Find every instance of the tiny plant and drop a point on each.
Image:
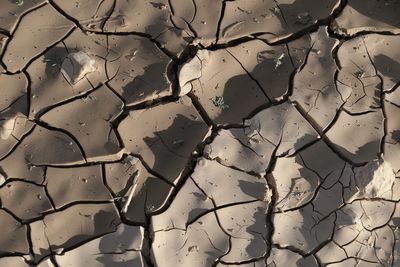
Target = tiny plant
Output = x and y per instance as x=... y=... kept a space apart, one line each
x=19 y=2
x=219 y=102
x=278 y=60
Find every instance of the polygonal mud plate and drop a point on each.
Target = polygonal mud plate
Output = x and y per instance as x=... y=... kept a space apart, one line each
x=167 y=131
x=30 y=40
x=93 y=130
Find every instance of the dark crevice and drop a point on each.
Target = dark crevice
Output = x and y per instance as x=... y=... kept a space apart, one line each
x=239 y=263
x=221 y=17
x=200 y=109
x=290 y=248
x=5 y=32
x=384 y=114
x=83 y=164
x=151 y=103
x=251 y=77
x=108 y=16
x=49 y=198
x=270 y=180
x=218 y=208
x=64 y=14
x=321 y=134
x=195 y=11
x=221 y=162
x=54 y=261
x=83 y=95
x=19 y=220
x=171 y=8
x=359 y=260
x=188 y=53
x=310 y=29
x=232 y=43
x=5 y=254
x=17 y=144
x=28 y=92
x=148 y=240
x=29 y=238
x=270 y=215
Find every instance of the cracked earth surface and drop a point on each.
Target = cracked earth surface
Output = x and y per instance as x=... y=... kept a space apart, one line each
x=200 y=133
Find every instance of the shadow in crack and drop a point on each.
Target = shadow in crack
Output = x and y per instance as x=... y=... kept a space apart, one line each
x=144 y=86
x=172 y=147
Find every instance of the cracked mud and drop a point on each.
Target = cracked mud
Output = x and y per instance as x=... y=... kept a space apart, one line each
x=159 y=133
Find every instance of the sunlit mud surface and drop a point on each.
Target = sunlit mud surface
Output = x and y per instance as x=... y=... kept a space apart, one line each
x=200 y=133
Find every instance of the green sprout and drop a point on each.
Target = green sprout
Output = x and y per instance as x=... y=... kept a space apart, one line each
x=19 y=2
x=219 y=102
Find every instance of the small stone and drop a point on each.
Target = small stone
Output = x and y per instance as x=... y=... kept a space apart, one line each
x=76 y=65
